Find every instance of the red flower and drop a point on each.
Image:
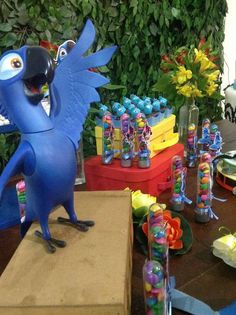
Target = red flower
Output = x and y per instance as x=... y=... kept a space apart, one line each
x=49 y=46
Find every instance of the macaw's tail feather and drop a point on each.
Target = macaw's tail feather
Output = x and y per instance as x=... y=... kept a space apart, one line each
x=74 y=85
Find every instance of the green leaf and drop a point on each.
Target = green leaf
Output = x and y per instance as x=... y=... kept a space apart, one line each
x=175 y=12
x=113 y=87
x=112 y=11
x=8 y=40
x=5 y=27
x=153 y=29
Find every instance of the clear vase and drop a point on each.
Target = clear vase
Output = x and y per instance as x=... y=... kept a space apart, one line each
x=188 y=114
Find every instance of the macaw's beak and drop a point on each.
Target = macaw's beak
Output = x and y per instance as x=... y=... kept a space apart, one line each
x=39 y=69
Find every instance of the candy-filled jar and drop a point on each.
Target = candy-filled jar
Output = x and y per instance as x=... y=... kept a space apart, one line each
x=143 y=133
x=178 y=176
x=127 y=141
x=203 y=211
x=157 y=240
x=154 y=283
x=107 y=138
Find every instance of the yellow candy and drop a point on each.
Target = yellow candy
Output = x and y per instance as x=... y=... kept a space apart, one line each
x=141 y=124
x=148 y=287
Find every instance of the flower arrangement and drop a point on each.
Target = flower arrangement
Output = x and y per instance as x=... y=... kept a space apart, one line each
x=190 y=73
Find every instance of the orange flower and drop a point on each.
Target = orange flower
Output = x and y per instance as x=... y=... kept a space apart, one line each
x=173 y=230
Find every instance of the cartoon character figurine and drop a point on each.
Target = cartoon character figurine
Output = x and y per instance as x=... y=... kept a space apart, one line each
x=46 y=155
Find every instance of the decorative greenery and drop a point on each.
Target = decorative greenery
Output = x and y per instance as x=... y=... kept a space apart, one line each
x=8 y=144
x=190 y=73
x=144 y=30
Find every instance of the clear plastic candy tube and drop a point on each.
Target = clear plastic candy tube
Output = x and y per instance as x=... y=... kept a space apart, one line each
x=143 y=133
x=154 y=288
x=191 y=160
x=107 y=138
x=127 y=141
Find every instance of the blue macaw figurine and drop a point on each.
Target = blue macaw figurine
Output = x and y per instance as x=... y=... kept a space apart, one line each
x=46 y=155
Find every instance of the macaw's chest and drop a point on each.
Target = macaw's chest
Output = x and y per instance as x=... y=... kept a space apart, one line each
x=54 y=152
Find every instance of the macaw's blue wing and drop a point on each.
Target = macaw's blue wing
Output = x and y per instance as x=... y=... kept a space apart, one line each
x=74 y=85
x=9 y=127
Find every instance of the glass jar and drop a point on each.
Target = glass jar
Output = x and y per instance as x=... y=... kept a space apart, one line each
x=188 y=114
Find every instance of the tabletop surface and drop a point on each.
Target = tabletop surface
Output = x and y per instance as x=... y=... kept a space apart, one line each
x=197 y=272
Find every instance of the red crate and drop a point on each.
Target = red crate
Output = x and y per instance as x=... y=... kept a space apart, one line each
x=153 y=180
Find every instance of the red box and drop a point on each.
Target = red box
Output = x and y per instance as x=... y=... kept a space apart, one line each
x=152 y=180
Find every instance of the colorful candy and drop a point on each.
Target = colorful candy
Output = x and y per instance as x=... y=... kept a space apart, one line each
x=203 y=211
x=179 y=174
x=191 y=146
x=21 y=195
x=154 y=288
x=143 y=133
x=108 y=135
x=157 y=241
x=127 y=141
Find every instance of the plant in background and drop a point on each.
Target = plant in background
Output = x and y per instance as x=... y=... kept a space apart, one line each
x=190 y=73
x=8 y=144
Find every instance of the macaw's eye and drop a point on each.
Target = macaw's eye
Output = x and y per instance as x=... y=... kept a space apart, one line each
x=16 y=63
x=10 y=65
x=62 y=53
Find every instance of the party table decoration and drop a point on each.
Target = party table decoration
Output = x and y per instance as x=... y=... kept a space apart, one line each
x=155 y=293
x=179 y=233
x=179 y=174
x=127 y=141
x=107 y=140
x=190 y=74
x=143 y=133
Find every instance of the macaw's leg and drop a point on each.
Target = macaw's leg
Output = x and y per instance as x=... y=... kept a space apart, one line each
x=73 y=221
x=46 y=235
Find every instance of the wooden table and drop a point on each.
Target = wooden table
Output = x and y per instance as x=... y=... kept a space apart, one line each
x=198 y=272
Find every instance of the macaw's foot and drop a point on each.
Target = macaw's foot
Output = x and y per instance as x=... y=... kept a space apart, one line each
x=51 y=242
x=79 y=225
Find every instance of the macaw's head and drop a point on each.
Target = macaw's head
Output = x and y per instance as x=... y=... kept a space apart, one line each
x=23 y=73
x=32 y=65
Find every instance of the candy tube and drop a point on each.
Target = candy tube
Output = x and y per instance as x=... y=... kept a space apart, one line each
x=179 y=174
x=127 y=141
x=143 y=133
x=157 y=241
x=191 y=160
x=21 y=196
x=107 y=139
x=203 y=211
x=154 y=288
x=204 y=141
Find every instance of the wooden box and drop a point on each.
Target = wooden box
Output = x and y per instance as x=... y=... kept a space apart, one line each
x=91 y=275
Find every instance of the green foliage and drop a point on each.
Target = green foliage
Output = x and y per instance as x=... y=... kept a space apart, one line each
x=143 y=29
x=8 y=144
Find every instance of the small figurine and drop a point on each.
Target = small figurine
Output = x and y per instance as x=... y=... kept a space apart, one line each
x=46 y=155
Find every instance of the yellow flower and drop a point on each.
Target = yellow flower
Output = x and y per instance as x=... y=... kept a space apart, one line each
x=211 y=88
x=182 y=75
x=204 y=61
x=196 y=92
x=141 y=202
x=185 y=90
x=213 y=76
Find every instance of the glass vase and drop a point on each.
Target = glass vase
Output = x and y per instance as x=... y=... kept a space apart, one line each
x=188 y=114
